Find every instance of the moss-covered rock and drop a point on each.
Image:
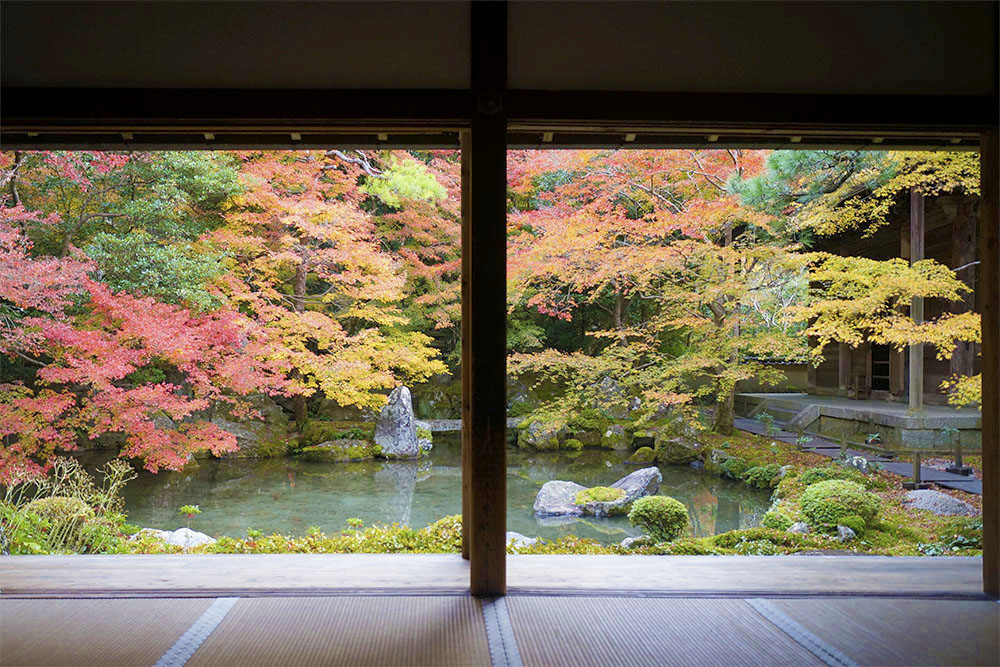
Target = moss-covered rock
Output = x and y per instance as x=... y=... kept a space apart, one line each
x=643 y=455
x=571 y=445
x=675 y=450
x=316 y=431
x=828 y=504
x=763 y=477
x=615 y=437
x=599 y=494
x=267 y=437
x=539 y=435
x=333 y=451
x=662 y=517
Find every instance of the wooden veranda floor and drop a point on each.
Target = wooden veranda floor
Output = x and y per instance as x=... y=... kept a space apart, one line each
x=562 y=610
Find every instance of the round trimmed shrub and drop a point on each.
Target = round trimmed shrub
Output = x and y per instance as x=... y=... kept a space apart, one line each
x=828 y=504
x=61 y=508
x=664 y=518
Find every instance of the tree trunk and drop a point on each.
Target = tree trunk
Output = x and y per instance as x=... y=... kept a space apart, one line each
x=299 y=306
x=724 y=411
x=620 y=306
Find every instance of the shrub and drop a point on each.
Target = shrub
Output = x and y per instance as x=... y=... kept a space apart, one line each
x=599 y=494
x=60 y=509
x=827 y=504
x=854 y=522
x=573 y=445
x=662 y=517
x=763 y=477
x=734 y=467
x=776 y=520
x=813 y=475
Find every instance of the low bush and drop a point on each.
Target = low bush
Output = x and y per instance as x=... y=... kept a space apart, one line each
x=776 y=520
x=826 y=473
x=735 y=467
x=762 y=477
x=662 y=517
x=827 y=504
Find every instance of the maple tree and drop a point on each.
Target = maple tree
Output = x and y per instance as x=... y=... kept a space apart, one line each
x=857 y=299
x=305 y=261
x=688 y=279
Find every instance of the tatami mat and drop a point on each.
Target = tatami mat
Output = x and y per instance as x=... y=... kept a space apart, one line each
x=98 y=633
x=605 y=631
x=386 y=630
x=903 y=632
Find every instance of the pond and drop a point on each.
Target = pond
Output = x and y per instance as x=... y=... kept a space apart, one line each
x=289 y=496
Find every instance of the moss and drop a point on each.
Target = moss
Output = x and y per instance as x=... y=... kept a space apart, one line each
x=572 y=445
x=316 y=431
x=425 y=433
x=734 y=467
x=599 y=494
x=762 y=477
x=776 y=520
x=643 y=455
x=827 y=504
x=826 y=473
x=662 y=517
x=854 y=522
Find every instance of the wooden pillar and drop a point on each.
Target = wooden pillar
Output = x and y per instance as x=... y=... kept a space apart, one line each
x=963 y=257
x=916 y=389
x=843 y=368
x=484 y=306
x=989 y=249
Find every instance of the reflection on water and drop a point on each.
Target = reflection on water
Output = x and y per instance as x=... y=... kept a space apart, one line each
x=288 y=496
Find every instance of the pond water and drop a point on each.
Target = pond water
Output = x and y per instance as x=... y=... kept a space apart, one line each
x=288 y=496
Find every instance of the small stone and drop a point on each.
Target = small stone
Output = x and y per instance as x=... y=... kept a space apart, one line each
x=697 y=465
x=783 y=470
x=845 y=534
x=632 y=542
x=799 y=527
x=520 y=540
x=938 y=503
x=858 y=462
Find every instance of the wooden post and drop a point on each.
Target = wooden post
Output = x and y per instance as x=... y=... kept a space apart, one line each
x=484 y=305
x=989 y=255
x=843 y=368
x=916 y=389
x=963 y=257
x=466 y=375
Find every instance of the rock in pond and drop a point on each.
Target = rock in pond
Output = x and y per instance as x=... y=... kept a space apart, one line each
x=333 y=451
x=520 y=540
x=396 y=429
x=674 y=450
x=938 y=503
x=182 y=537
x=540 y=436
x=615 y=437
x=559 y=497
x=643 y=455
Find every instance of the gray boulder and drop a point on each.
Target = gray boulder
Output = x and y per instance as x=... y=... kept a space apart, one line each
x=395 y=429
x=642 y=482
x=520 y=540
x=265 y=437
x=799 y=527
x=556 y=498
x=540 y=436
x=938 y=503
x=632 y=542
x=845 y=534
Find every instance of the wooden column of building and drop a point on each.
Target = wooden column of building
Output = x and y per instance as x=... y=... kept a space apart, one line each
x=916 y=384
x=989 y=248
x=484 y=307
x=843 y=368
x=963 y=261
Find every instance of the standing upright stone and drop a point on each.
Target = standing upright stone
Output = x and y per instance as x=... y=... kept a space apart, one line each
x=396 y=430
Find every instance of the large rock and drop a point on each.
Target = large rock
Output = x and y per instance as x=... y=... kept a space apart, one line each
x=396 y=429
x=265 y=437
x=519 y=540
x=676 y=450
x=557 y=498
x=938 y=503
x=540 y=435
x=615 y=437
